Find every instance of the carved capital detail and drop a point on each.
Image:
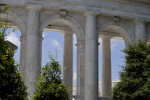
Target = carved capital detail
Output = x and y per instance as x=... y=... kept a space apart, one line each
x=34 y=7
x=138 y=21
x=89 y=13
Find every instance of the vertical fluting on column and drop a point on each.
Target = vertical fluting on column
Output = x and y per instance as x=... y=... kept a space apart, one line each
x=22 y=55
x=33 y=49
x=68 y=60
x=91 y=59
x=106 y=65
x=80 y=70
x=139 y=30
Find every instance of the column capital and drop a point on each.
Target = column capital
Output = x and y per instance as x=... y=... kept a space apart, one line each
x=67 y=32
x=90 y=13
x=106 y=36
x=34 y=7
x=139 y=21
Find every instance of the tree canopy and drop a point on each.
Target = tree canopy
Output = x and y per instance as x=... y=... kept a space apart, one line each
x=135 y=77
x=11 y=84
x=49 y=86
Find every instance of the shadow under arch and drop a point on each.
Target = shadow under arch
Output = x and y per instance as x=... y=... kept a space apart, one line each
x=119 y=28
x=16 y=19
x=68 y=21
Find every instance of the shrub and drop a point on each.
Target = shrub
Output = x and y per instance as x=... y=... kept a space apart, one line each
x=49 y=86
x=135 y=78
x=11 y=84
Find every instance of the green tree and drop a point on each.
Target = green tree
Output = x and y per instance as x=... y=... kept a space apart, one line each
x=49 y=86
x=135 y=78
x=11 y=84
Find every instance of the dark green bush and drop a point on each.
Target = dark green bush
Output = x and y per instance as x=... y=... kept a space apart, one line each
x=11 y=84
x=135 y=78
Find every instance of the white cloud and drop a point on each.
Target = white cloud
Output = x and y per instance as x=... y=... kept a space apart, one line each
x=54 y=42
x=13 y=38
x=74 y=76
x=115 y=43
x=44 y=34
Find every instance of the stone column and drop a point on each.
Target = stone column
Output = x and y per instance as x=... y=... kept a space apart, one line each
x=33 y=49
x=91 y=59
x=22 y=55
x=80 y=70
x=68 y=60
x=106 y=65
x=140 y=30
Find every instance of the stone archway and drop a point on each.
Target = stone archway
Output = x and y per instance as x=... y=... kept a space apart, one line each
x=123 y=29
x=12 y=16
x=79 y=32
x=68 y=21
x=128 y=37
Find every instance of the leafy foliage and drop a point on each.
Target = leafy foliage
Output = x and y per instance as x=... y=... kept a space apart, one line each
x=11 y=84
x=49 y=86
x=135 y=78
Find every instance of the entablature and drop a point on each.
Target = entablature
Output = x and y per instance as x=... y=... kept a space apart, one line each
x=124 y=8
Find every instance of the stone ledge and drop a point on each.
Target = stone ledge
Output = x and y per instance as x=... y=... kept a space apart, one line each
x=106 y=9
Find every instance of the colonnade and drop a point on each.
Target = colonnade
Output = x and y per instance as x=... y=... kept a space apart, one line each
x=87 y=56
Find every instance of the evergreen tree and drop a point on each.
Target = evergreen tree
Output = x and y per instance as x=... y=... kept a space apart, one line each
x=49 y=86
x=11 y=84
x=135 y=78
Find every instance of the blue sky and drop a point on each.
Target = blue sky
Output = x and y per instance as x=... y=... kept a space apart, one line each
x=54 y=41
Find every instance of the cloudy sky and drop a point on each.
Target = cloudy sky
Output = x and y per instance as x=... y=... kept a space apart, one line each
x=54 y=41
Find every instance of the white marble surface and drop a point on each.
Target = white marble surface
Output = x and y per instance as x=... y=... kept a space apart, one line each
x=32 y=58
x=91 y=59
x=134 y=24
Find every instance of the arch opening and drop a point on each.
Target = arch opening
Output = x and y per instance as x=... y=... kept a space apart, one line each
x=67 y=21
x=113 y=39
x=55 y=28
x=14 y=35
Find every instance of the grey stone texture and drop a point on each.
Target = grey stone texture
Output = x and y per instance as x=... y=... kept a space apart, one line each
x=88 y=20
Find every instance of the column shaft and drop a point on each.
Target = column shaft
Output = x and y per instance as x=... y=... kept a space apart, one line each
x=140 y=30
x=68 y=60
x=33 y=50
x=80 y=70
x=22 y=55
x=91 y=59
x=106 y=66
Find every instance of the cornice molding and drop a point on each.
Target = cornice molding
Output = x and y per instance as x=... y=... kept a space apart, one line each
x=101 y=10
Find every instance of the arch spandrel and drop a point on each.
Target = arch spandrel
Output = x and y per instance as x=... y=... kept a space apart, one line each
x=68 y=21
x=123 y=29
